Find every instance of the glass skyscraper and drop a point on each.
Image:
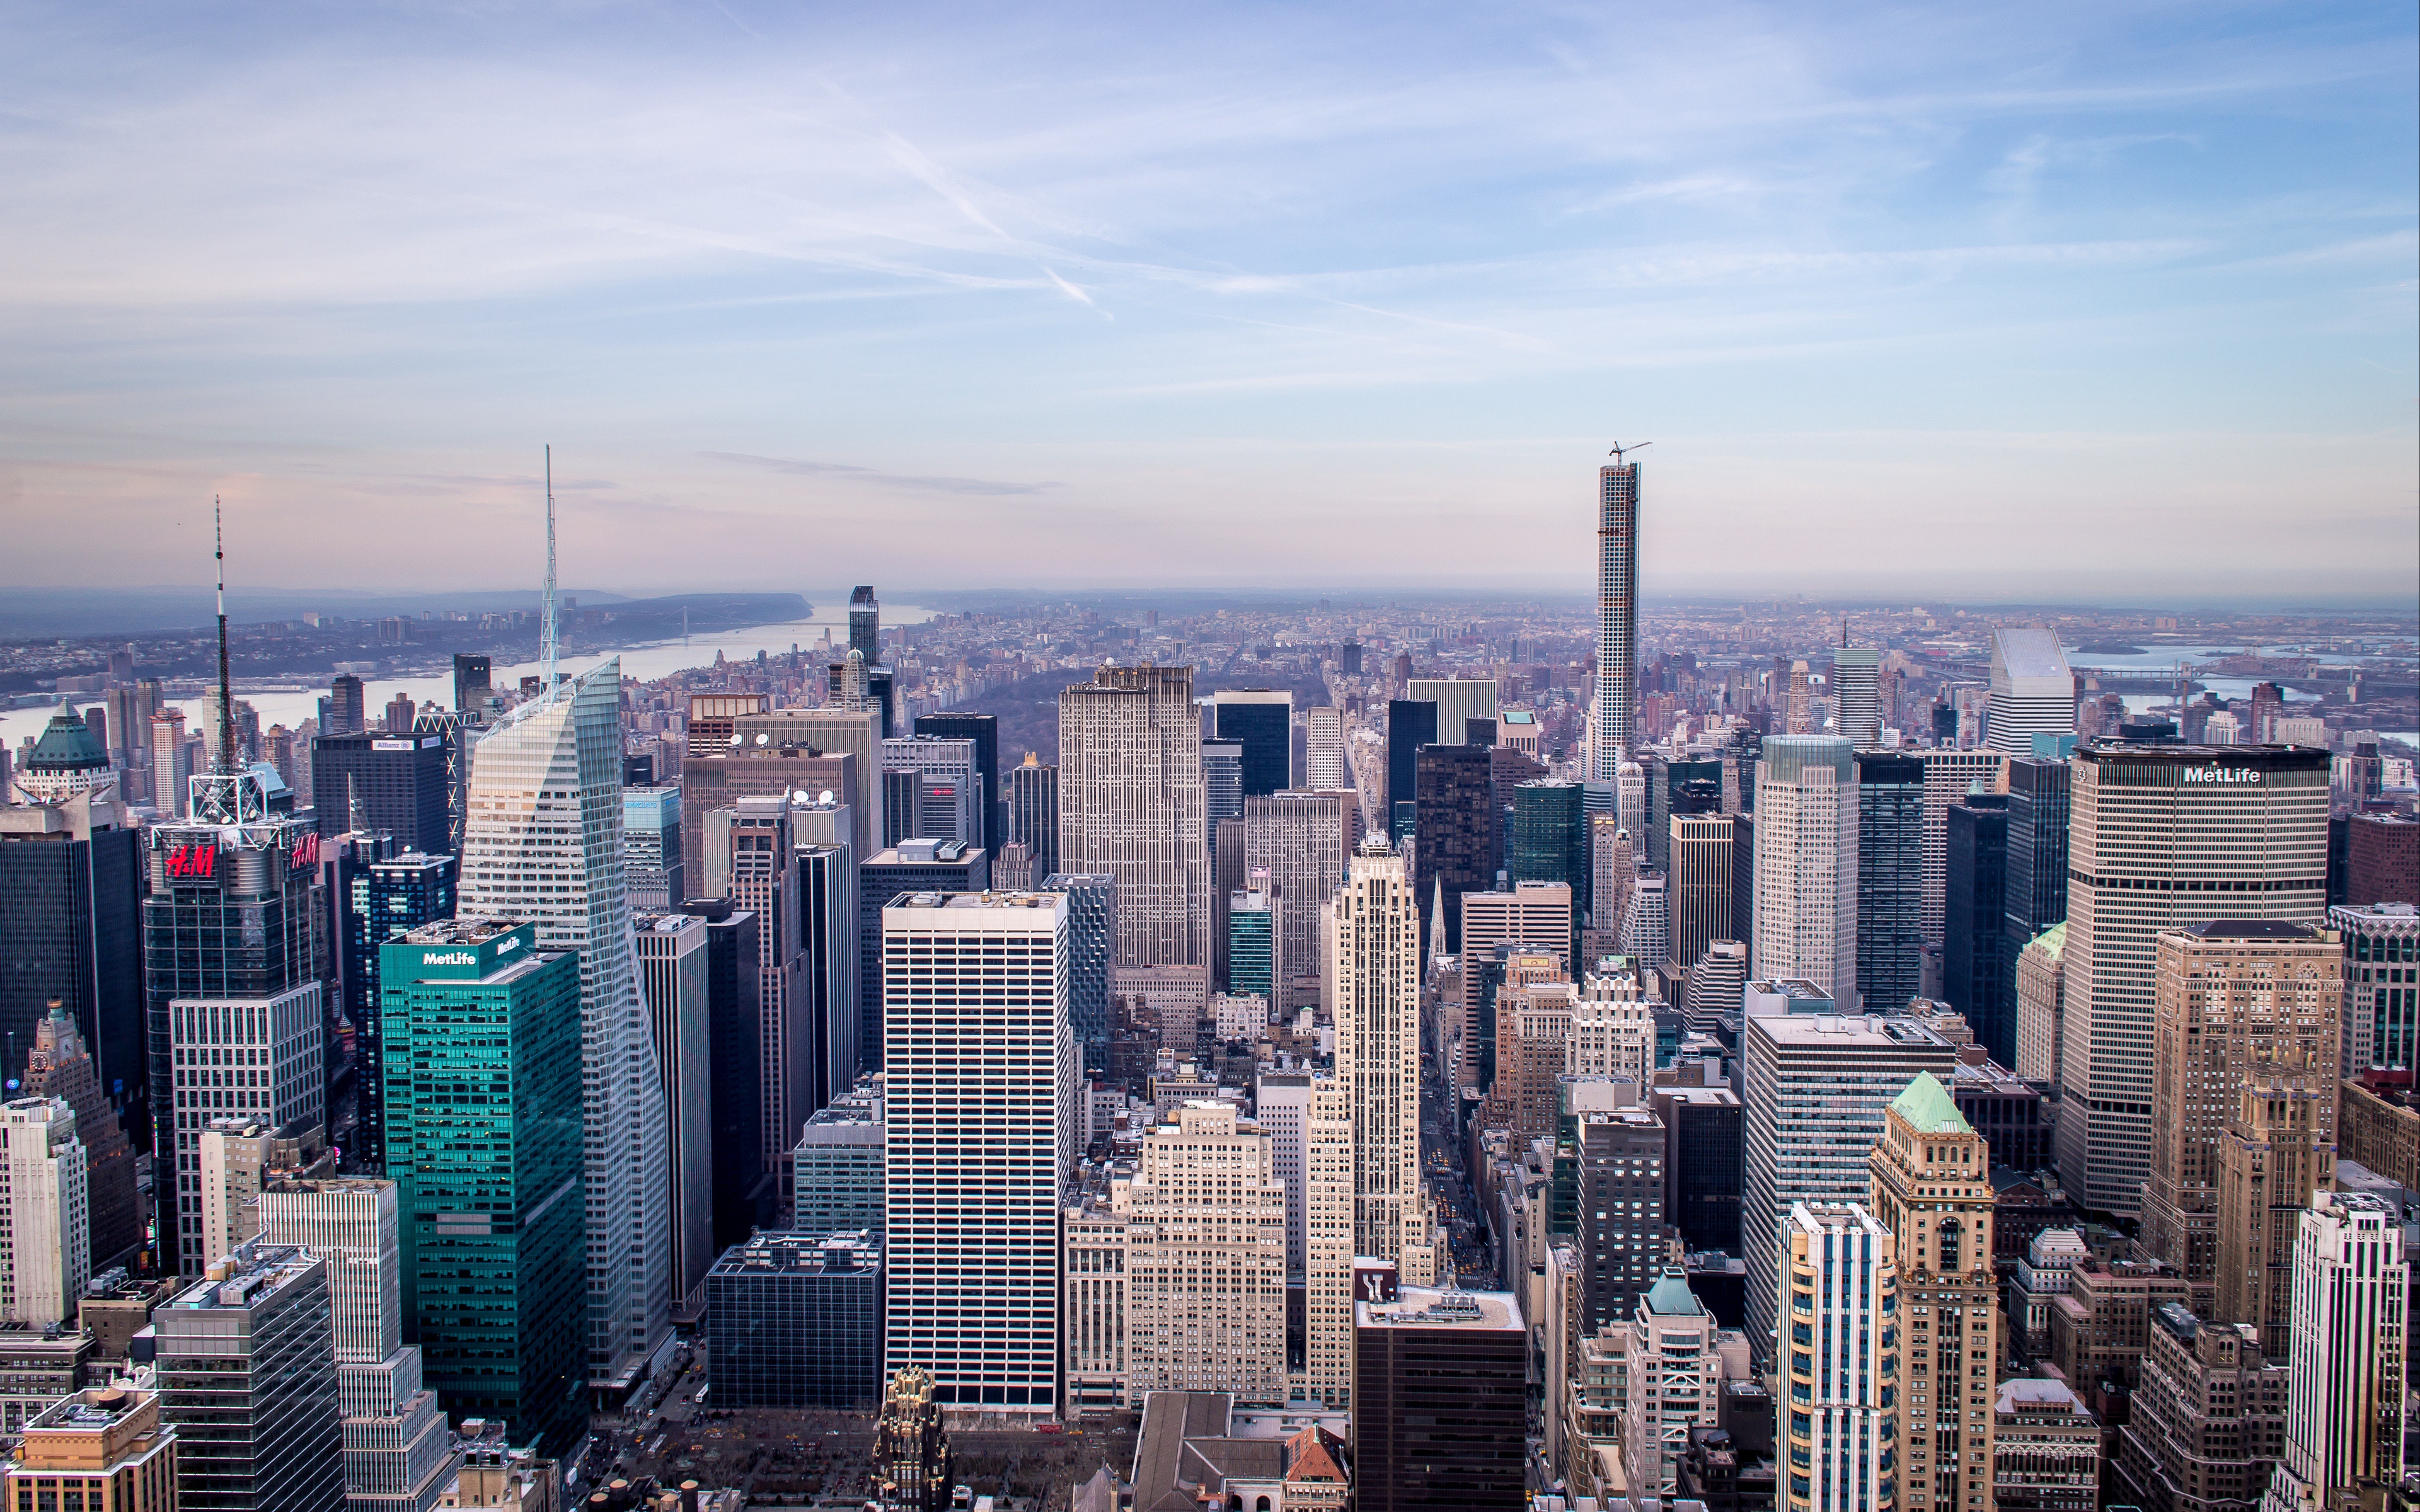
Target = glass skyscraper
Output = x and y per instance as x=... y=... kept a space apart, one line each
x=1890 y=879
x=1092 y=954
x=1261 y=721
x=383 y=899
x=484 y=1140
x=1252 y=944
x=1977 y=975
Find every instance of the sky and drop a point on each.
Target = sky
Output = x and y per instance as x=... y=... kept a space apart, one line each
x=2058 y=303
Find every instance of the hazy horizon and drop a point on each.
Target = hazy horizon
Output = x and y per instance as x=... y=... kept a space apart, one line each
x=2052 y=305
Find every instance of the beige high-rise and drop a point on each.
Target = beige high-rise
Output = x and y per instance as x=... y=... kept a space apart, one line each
x=1377 y=971
x=2270 y=1160
x=1131 y=806
x=1931 y=1188
x=2237 y=1001
x=1327 y=1242
x=1300 y=840
x=1206 y=1261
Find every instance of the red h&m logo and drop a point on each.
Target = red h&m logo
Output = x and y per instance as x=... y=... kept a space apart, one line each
x=306 y=850
x=198 y=862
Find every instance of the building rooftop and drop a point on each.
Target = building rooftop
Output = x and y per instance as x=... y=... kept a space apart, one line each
x=250 y=1274
x=1928 y=1108
x=2251 y=929
x=1846 y=1031
x=467 y=930
x=68 y=745
x=1670 y=1297
x=2029 y=1395
x=2029 y=650
x=1427 y=1307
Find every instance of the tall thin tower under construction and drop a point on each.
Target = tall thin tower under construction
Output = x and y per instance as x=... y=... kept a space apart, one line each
x=1617 y=615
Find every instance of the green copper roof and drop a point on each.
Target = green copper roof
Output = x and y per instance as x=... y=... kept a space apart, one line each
x=2054 y=940
x=1672 y=1298
x=68 y=745
x=1927 y=1105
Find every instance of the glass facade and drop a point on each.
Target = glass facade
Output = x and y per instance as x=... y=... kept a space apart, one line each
x=399 y=780
x=1252 y=939
x=795 y=1319
x=1092 y=952
x=383 y=900
x=1978 y=975
x=485 y=1145
x=1890 y=879
x=68 y=933
x=1262 y=724
x=1411 y=723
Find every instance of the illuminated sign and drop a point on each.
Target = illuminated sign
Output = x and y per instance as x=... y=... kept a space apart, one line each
x=2221 y=774
x=508 y=944
x=306 y=850
x=391 y=745
x=449 y=958
x=198 y=863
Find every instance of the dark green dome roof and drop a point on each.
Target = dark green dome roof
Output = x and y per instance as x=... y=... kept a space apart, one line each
x=68 y=745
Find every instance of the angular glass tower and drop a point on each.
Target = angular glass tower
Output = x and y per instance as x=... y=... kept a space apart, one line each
x=484 y=1143
x=544 y=844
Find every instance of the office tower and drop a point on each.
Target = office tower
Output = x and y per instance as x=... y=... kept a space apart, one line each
x=1616 y=614
x=1439 y=1400
x=1550 y=842
x=651 y=847
x=914 y=1467
x=1949 y=775
x=2207 y=1424
x=1222 y=787
x=1376 y=971
x=982 y=732
x=2233 y=997
x=1252 y=942
x=397 y=781
x=1674 y=786
x=2035 y=895
x=1460 y=703
x=1836 y=1262
x=68 y=759
x=1621 y=1217
x=2046 y=1448
x=1327 y=1241
x=749 y=860
x=381 y=900
x=1092 y=958
x=543 y=844
x=1206 y=1251
x=944 y=788
x=791 y=768
x=1612 y=866
x=398 y=1452
x=472 y=685
x=235 y=947
x=1931 y=1189
x=829 y=912
x=1698 y=890
x=2381 y=859
x=1674 y=1388
x=1033 y=812
x=1807 y=863
x=2223 y=729
x=60 y=1067
x=919 y=866
x=1012 y=868
x=106 y=1441
x=70 y=903
x=1977 y=976
x=127 y=725
x=1323 y=761
x=979 y=1144
x=1704 y=1128
x=1261 y=721
x=45 y=1226
x=836 y=1181
x=676 y=979
x=1799 y=716
x=2156 y=831
x=1301 y=841
x=2343 y=1404
x=712 y=720
x=742 y=1186
x=247 y=1376
x=2033 y=691
x=1455 y=828
x=1282 y=1108
x=239 y=1154
x=1815 y=1086
x=1411 y=724
x=2382 y=997
x=1647 y=923
x=1630 y=799
x=1890 y=877
x=1093 y=1239
x=495 y=1277
x=1717 y=987
x=346 y=709
x=1856 y=695
x=2268 y=707
x=2274 y=1154
x=865 y=624
x=2042 y=1005
x=794 y=1319
x=399 y=712
x=1130 y=805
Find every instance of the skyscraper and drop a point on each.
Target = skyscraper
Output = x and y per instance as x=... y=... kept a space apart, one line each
x=2036 y=896
x=2382 y=1010
x=1438 y=1400
x=1856 y=702
x=70 y=903
x=1376 y=968
x=749 y=860
x=676 y=978
x=345 y=706
x=1033 y=811
x=45 y=1222
x=1130 y=805
x=1206 y=1259
x=1455 y=830
x=983 y=731
x=1324 y=760
x=1261 y=721
x=383 y=900
x=919 y=866
x=980 y=1140
x=2033 y=691
x=2162 y=837
x=1977 y=977
x=865 y=624
x=247 y=1375
x=651 y=847
x=1949 y=775
x=1837 y=1267
x=1698 y=890
x=1299 y=839
x=1091 y=956
x=493 y=1249
x=1411 y=723
x=1807 y=863
x=61 y=1067
x=943 y=793
x=399 y=781
x=1461 y=703
x=543 y=844
x=2344 y=1403
x=1616 y=617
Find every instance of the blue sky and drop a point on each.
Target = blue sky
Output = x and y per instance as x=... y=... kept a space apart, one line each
x=2046 y=301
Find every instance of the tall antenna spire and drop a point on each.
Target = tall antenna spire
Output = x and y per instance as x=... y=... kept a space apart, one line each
x=226 y=698
x=550 y=650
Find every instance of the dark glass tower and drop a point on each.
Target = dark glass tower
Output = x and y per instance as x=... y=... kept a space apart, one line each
x=1678 y=787
x=733 y=981
x=381 y=900
x=1411 y=723
x=1550 y=842
x=1263 y=723
x=984 y=730
x=400 y=780
x=1456 y=828
x=70 y=895
x=485 y=1151
x=2037 y=889
x=1977 y=977
x=1033 y=812
x=471 y=682
x=865 y=624
x=1890 y=879
x=1091 y=953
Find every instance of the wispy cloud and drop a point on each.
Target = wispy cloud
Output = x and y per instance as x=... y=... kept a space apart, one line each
x=797 y=467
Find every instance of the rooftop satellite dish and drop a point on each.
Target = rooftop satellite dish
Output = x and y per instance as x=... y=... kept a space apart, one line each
x=764 y=740
x=825 y=796
x=738 y=740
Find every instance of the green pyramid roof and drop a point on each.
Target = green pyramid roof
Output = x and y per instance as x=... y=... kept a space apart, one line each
x=1672 y=1298
x=2054 y=940
x=1927 y=1105
x=68 y=745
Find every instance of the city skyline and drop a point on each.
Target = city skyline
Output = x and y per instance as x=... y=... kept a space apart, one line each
x=831 y=288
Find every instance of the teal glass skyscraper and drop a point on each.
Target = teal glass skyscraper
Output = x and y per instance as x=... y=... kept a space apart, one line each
x=1251 y=945
x=483 y=1144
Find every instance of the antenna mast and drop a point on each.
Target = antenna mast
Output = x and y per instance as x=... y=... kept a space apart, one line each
x=227 y=698
x=550 y=650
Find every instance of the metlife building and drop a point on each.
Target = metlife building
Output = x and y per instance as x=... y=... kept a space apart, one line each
x=2164 y=837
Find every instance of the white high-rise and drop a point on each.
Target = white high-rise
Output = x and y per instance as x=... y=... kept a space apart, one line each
x=2033 y=690
x=45 y=1229
x=543 y=843
x=1856 y=696
x=1376 y=968
x=1327 y=1242
x=399 y=1455
x=1458 y=701
x=2344 y=1404
x=1131 y=806
x=1805 y=923
x=1616 y=619
x=1323 y=750
x=1842 y=1423
x=980 y=1123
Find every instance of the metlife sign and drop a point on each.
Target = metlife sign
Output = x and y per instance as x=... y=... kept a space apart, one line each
x=446 y=955
x=2223 y=776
